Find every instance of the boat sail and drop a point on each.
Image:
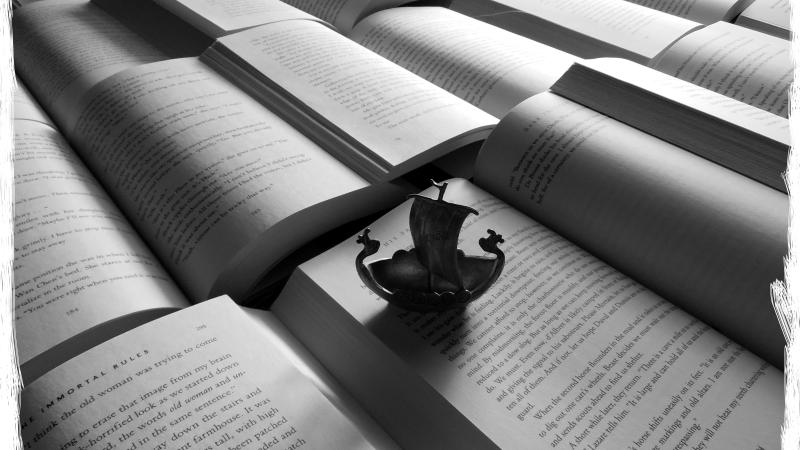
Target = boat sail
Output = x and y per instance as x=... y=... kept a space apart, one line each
x=435 y=275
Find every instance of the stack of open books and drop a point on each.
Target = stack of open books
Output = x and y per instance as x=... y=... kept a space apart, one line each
x=168 y=152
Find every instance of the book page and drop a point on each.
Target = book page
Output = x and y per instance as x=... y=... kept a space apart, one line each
x=703 y=11
x=310 y=367
x=702 y=236
x=209 y=176
x=343 y=14
x=199 y=378
x=217 y=18
x=752 y=67
x=487 y=66
x=384 y=111
x=641 y=32
x=77 y=260
x=27 y=108
x=64 y=47
x=768 y=16
x=562 y=351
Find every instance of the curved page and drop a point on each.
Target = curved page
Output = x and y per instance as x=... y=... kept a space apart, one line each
x=204 y=377
x=563 y=351
x=208 y=175
x=749 y=66
x=388 y=116
x=485 y=65
x=703 y=236
x=77 y=261
x=63 y=48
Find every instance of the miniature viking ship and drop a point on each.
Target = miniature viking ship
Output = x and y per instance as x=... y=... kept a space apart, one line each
x=435 y=275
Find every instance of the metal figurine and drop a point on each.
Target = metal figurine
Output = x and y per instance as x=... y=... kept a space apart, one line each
x=435 y=275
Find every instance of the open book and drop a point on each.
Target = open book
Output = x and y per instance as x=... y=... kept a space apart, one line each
x=209 y=376
x=380 y=118
x=633 y=309
x=164 y=178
